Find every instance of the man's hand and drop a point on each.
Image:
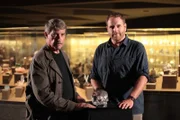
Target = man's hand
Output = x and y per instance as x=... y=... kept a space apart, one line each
x=80 y=99
x=125 y=104
x=80 y=106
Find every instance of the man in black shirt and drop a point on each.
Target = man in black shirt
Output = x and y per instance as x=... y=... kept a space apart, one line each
x=120 y=67
x=50 y=92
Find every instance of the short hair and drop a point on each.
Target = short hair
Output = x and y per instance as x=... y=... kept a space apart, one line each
x=54 y=24
x=116 y=14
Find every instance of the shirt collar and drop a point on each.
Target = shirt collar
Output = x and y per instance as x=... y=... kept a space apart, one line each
x=125 y=41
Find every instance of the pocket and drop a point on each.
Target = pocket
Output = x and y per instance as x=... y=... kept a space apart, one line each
x=103 y=64
x=123 y=65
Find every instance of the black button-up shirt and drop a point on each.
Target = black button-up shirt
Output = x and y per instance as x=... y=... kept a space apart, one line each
x=118 y=69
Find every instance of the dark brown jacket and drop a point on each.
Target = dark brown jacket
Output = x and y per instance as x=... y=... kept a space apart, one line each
x=44 y=87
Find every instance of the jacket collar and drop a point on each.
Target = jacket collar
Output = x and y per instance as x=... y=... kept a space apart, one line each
x=52 y=62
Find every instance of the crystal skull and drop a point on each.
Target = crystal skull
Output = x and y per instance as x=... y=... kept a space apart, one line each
x=100 y=98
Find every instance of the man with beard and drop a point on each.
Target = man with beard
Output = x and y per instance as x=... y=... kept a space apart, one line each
x=120 y=67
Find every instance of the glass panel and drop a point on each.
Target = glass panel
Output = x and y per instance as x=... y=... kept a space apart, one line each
x=17 y=45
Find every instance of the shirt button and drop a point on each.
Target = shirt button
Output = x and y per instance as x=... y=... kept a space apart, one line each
x=59 y=82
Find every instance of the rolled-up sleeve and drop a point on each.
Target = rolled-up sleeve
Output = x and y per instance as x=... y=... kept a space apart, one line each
x=142 y=63
x=94 y=71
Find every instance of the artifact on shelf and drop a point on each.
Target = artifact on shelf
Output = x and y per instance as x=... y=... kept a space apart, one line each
x=20 y=69
x=17 y=77
x=78 y=74
x=5 y=67
x=88 y=92
x=6 y=78
x=12 y=61
x=153 y=76
x=6 y=92
x=167 y=69
x=19 y=90
x=20 y=83
x=169 y=81
x=13 y=69
x=86 y=83
x=151 y=85
x=76 y=83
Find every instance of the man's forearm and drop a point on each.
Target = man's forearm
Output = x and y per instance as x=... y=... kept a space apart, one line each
x=95 y=84
x=139 y=86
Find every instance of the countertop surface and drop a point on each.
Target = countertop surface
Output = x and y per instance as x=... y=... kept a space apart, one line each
x=82 y=92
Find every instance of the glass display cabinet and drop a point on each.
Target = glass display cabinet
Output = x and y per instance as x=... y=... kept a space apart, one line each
x=18 y=45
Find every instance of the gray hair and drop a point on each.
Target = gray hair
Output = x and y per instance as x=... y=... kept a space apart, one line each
x=54 y=24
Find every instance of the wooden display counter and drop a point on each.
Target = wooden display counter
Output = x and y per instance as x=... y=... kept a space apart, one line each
x=82 y=92
x=14 y=93
x=159 y=85
x=13 y=97
x=160 y=103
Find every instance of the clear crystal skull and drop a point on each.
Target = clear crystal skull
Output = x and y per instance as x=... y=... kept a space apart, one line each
x=100 y=98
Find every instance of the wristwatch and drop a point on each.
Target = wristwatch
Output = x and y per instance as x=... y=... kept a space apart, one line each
x=132 y=98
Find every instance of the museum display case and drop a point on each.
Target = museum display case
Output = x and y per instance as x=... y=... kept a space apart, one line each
x=18 y=45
